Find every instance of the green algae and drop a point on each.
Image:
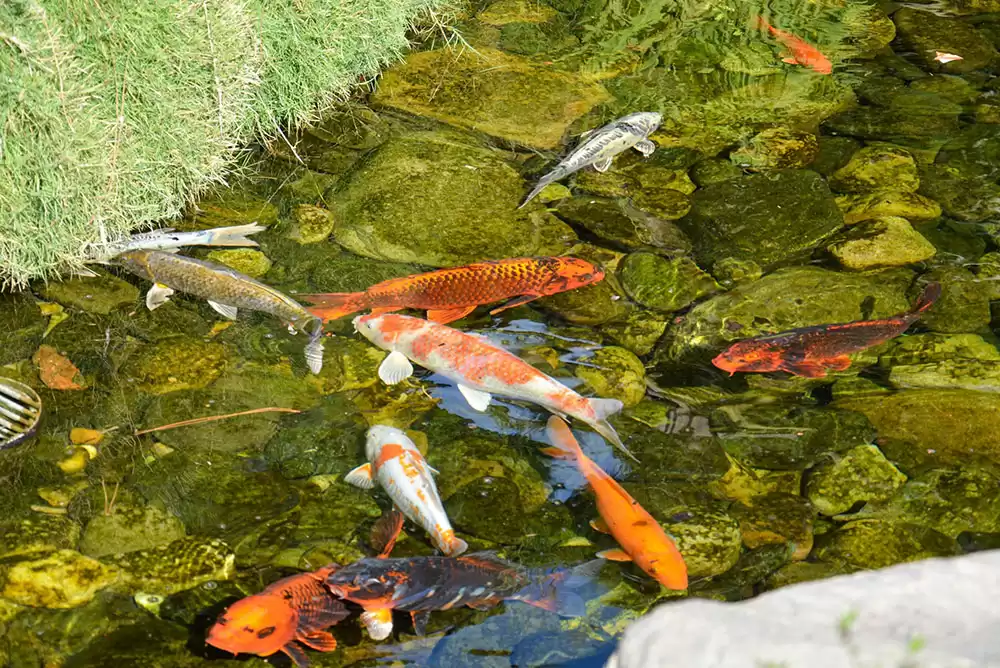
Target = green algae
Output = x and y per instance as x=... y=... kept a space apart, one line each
x=662 y=284
x=776 y=148
x=176 y=365
x=129 y=528
x=247 y=261
x=313 y=224
x=861 y=474
x=877 y=544
x=615 y=373
x=181 y=564
x=102 y=294
x=888 y=241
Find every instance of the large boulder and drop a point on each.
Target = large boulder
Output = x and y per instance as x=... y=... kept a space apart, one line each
x=438 y=199
x=925 y=33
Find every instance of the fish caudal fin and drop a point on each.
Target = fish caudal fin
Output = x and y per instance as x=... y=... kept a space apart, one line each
x=759 y=23
x=551 y=177
x=604 y=408
x=456 y=546
x=930 y=295
x=234 y=236
x=329 y=306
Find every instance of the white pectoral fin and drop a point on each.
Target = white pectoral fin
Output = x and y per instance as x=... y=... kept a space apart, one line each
x=478 y=399
x=223 y=310
x=158 y=296
x=395 y=368
x=378 y=623
x=361 y=477
x=605 y=408
x=646 y=147
x=603 y=165
x=314 y=355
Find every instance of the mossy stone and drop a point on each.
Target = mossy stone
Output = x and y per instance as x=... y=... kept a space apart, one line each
x=776 y=148
x=963 y=305
x=62 y=579
x=595 y=304
x=336 y=423
x=247 y=261
x=777 y=519
x=615 y=373
x=129 y=528
x=861 y=474
x=503 y=12
x=313 y=224
x=877 y=167
x=751 y=218
x=179 y=565
x=878 y=544
x=804 y=571
x=963 y=197
x=100 y=295
x=742 y=483
x=352 y=126
x=489 y=91
x=909 y=205
x=664 y=284
x=311 y=186
x=638 y=333
x=420 y=197
x=730 y=271
x=834 y=153
x=925 y=33
x=897 y=123
x=954 y=88
x=37 y=534
x=175 y=365
x=932 y=347
x=714 y=170
x=348 y=364
x=953 y=374
x=232 y=206
x=887 y=241
x=622 y=224
x=672 y=456
x=664 y=203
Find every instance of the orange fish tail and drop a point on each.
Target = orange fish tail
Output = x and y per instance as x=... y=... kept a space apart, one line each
x=760 y=24
x=930 y=295
x=564 y=444
x=332 y=305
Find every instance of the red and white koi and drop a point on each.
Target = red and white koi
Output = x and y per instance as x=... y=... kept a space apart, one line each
x=479 y=368
x=396 y=463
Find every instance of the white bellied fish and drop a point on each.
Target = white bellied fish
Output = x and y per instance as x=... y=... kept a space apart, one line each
x=168 y=239
x=396 y=463
x=226 y=291
x=600 y=146
x=480 y=369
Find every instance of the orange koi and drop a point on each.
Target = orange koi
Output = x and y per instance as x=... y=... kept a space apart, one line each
x=800 y=52
x=640 y=536
x=296 y=608
x=450 y=294
x=811 y=351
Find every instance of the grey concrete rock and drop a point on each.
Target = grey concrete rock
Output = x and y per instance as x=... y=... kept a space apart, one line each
x=937 y=613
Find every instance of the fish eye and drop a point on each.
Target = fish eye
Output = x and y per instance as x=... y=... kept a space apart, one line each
x=265 y=632
x=222 y=621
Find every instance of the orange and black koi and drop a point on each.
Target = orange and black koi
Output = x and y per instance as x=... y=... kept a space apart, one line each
x=811 y=351
x=449 y=294
x=296 y=608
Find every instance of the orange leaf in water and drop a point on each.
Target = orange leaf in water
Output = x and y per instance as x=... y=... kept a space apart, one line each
x=56 y=371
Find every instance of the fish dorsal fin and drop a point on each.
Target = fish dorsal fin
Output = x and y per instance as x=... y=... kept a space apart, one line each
x=477 y=399
x=158 y=296
x=224 y=310
x=395 y=368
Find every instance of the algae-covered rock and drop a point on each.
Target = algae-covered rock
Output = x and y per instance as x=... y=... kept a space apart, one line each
x=877 y=544
x=664 y=284
x=861 y=474
x=348 y=364
x=182 y=564
x=730 y=271
x=942 y=426
x=783 y=300
x=752 y=568
x=313 y=224
x=948 y=501
x=887 y=241
x=102 y=294
x=988 y=271
x=492 y=92
x=877 y=167
x=804 y=571
x=37 y=534
x=324 y=529
x=764 y=217
x=129 y=528
x=324 y=440
x=963 y=197
x=615 y=373
x=503 y=12
x=780 y=437
x=622 y=224
x=247 y=261
x=714 y=170
x=954 y=374
x=176 y=364
x=926 y=33
x=63 y=579
x=639 y=332
x=673 y=456
x=909 y=205
x=311 y=186
x=742 y=483
x=777 y=519
x=776 y=148
x=664 y=203
x=963 y=305
x=435 y=198
x=834 y=153
x=932 y=347
x=595 y=304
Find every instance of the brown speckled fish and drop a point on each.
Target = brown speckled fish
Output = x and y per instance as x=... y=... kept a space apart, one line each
x=449 y=294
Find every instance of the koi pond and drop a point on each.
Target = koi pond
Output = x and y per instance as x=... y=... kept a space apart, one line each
x=816 y=163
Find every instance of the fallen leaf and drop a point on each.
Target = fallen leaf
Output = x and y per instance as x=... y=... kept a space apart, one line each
x=56 y=314
x=81 y=436
x=57 y=372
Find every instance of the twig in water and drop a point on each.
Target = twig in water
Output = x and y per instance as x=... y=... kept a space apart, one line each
x=213 y=418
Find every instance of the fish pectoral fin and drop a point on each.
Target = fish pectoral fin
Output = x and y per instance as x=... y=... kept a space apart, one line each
x=378 y=623
x=395 y=368
x=519 y=301
x=615 y=554
x=791 y=60
x=443 y=316
x=646 y=147
x=314 y=355
x=321 y=640
x=603 y=165
x=296 y=654
x=385 y=532
x=420 y=621
x=477 y=399
x=361 y=477
x=557 y=453
x=598 y=524
x=158 y=296
x=223 y=310
x=839 y=363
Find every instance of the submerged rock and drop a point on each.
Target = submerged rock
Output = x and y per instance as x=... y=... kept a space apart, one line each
x=955 y=374
x=175 y=365
x=784 y=519
x=714 y=170
x=916 y=349
x=964 y=305
x=232 y=206
x=489 y=91
x=313 y=224
x=776 y=148
x=730 y=271
x=595 y=304
x=615 y=373
x=877 y=544
x=963 y=197
x=908 y=205
x=664 y=284
x=63 y=579
x=503 y=12
x=247 y=261
x=639 y=332
x=100 y=295
x=861 y=474
x=37 y=534
x=925 y=33
x=129 y=528
x=888 y=241
x=765 y=217
x=877 y=167
x=622 y=224
x=182 y=564
x=436 y=199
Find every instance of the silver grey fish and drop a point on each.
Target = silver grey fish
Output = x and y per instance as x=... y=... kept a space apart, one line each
x=225 y=290
x=168 y=239
x=600 y=146
x=20 y=411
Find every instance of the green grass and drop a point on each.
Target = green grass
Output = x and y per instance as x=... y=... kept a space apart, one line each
x=114 y=113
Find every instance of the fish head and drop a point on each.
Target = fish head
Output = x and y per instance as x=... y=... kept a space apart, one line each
x=571 y=273
x=646 y=122
x=384 y=330
x=381 y=435
x=748 y=356
x=368 y=580
x=255 y=625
